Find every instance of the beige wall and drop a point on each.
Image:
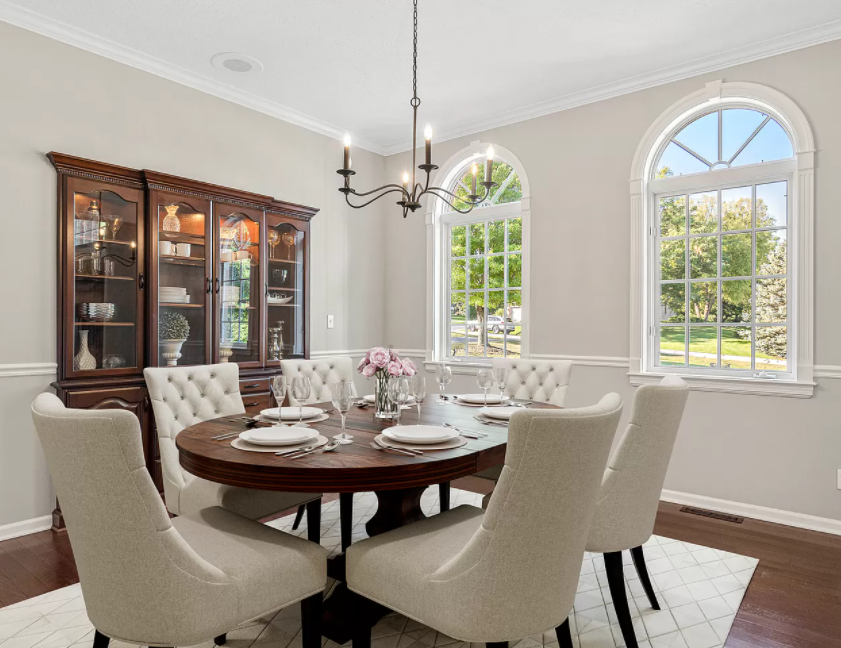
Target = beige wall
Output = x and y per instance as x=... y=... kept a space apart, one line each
x=56 y=97
x=774 y=452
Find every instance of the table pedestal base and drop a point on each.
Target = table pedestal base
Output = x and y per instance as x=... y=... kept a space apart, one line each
x=347 y=613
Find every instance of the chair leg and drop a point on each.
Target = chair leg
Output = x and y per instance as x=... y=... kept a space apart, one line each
x=299 y=516
x=616 y=582
x=444 y=495
x=642 y=572
x=564 y=635
x=100 y=640
x=496 y=644
x=346 y=518
x=221 y=639
x=311 y=620
x=314 y=521
x=362 y=639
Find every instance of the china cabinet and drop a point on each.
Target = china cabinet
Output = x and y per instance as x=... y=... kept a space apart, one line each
x=157 y=270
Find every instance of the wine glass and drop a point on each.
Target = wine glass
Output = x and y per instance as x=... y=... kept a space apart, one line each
x=418 y=385
x=500 y=378
x=443 y=374
x=485 y=380
x=115 y=222
x=278 y=384
x=288 y=239
x=301 y=388
x=342 y=396
x=274 y=241
x=398 y=392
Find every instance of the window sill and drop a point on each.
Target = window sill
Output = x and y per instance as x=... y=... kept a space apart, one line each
x=459 y=368
x=724 y=384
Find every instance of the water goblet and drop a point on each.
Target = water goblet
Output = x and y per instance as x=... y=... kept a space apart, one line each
x=501 y=378
x=342 y=397
x=485 y=380
x=278 y=385
x=301 y=388
x=443 y=374
x=418 y=385
x=398 y=392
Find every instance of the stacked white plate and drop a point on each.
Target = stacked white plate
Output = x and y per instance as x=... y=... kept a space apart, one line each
x=420 y=434
x=292 y=413
x=479 y=399
x=500 y=413
x=173 y=295
x=278 y=436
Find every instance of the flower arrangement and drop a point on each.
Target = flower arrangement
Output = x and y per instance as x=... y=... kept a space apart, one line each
x=381 y=363
x=173 y=326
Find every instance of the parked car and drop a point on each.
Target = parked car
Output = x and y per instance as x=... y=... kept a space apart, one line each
x=495 y=324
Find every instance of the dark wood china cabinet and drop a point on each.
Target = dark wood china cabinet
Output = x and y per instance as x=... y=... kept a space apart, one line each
x=142 y=253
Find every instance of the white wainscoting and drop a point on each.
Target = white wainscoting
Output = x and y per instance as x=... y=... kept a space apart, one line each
x=28 y=369
x=25 y=527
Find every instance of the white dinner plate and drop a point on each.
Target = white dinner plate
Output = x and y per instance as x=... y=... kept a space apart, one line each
x=292 y=413
x=503 y=413
x=278 y=435
x=420 y=433
x=480 y=398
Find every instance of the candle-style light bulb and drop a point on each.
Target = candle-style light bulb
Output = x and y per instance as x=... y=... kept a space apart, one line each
x=406 y=181
x=427 y=134
x=475 y=172
x=489 y=164
x=346 y=166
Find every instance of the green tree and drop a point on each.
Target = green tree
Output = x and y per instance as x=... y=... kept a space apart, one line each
x=771 y=304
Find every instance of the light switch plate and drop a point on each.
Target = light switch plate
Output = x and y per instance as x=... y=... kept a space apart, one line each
x=839 y=479
x=329 y=321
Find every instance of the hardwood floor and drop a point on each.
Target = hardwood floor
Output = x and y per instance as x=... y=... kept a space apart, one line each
x=794 y=599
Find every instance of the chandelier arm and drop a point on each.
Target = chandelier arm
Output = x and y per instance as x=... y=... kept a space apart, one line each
x=456 y=197
x=365 y=204
x=392 y=186
x=433 y=191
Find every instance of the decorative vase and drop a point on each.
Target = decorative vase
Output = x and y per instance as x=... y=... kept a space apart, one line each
x=171 y=222
x=386 y=408
x=84 y=360
x=171 y=351
x=225 y=352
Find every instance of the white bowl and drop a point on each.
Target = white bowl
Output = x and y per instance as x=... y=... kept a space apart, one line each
x=292 y=413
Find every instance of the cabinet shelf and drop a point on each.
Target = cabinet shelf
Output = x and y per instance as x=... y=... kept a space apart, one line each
x=106 y=241
x=285 y=289
x=181 y=237
x=289 y=305
x=284 y=261
x=104 y=323
x=104 y=277
x=177 y=305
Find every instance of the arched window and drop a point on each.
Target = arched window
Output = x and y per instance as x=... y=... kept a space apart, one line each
x=480 y=262
x=720 y=265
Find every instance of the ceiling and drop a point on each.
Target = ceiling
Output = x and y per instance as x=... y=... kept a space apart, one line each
x=336 y=65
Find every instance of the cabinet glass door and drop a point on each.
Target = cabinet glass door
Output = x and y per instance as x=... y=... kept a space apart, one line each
x=182 y=288
x=106 y=274
x=238 y=286
x=285 y=289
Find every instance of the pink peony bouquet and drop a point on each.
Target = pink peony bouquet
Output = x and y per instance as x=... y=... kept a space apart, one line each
x=382 y=362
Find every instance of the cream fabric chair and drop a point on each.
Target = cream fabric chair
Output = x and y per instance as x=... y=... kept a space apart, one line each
x=631 y=487
x=322 y=373
x=150 y=580
x=184 y=396
x=469 y=573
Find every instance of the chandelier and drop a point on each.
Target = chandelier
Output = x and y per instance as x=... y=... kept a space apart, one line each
x=411 y=193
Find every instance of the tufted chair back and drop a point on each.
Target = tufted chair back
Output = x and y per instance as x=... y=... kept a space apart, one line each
x=184 y=396
x=633 y=481
x=543 y=381
x=136 y=569
x=322 y=373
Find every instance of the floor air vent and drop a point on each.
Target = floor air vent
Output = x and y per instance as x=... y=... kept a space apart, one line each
x=712 y=514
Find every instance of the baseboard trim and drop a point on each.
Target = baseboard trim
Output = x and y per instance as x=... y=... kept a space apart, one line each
x=25 y=527
x=764 y=513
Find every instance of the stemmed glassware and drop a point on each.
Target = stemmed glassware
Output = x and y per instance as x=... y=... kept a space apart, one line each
x=301 y=388
x=398 y=392
x=443 y=374
x=501 y=378
x=342 y=393
x=485 y=380
x=418 y=385
x=278 y=384
x=274 y=240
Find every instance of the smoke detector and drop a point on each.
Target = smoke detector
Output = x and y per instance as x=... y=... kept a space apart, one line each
x=236 y=63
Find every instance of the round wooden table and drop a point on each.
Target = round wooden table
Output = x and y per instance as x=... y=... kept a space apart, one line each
x=398 y=480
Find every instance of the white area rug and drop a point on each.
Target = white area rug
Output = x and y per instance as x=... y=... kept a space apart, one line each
x=699 y=589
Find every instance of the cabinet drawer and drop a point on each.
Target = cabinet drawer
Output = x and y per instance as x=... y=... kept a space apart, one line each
x=254 y=385
x=254 y=403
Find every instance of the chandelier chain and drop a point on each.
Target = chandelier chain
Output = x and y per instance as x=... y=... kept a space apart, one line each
x=415 y=58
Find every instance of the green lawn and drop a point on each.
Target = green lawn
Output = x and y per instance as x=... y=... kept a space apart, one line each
x=703 y=340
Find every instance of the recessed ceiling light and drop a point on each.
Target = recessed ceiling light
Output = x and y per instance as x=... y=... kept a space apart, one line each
x=236 y=62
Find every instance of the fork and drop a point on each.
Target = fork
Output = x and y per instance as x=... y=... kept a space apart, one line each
x=400 y=450
x=286 y=453
x=466 y=433
x=328 y=448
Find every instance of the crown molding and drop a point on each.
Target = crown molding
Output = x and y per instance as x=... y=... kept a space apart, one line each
x=65 y=33
x=772 y=47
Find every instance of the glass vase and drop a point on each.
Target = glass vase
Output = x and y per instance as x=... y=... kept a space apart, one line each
x=386 y=408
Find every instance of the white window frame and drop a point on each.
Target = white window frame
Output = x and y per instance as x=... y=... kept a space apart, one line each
x=645 y=190
x=439 y=218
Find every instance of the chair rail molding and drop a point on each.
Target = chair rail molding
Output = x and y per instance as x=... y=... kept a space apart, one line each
x=720 y=94
x=28 y=369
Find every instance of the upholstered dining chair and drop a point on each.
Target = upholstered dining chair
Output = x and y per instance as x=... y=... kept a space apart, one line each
x=184 y=396
x=153 y=581
x=543 y=381
x=631 y=487
x=323 y=372
x=467 y=572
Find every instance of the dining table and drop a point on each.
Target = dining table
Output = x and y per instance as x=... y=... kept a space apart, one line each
x=397 y=479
